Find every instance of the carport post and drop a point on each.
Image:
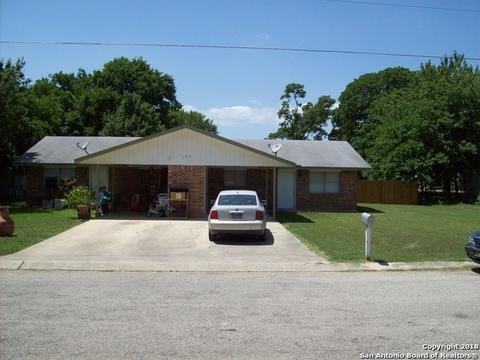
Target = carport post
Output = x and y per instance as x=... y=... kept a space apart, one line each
x=206 y=205
x=112 y=185
x=274 y=193
x=266 y=186
x=97 y=185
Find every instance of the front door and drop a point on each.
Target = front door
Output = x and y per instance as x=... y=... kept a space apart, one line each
x=286 y=189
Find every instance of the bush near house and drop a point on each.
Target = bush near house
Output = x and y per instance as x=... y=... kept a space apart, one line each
x=400 y=233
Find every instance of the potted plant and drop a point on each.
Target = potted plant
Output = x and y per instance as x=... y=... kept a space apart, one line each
x=7 y=225
x=66 y=184
x=81 y=199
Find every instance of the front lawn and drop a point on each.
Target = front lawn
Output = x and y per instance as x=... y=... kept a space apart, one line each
x=35 y=225
x=400 y=232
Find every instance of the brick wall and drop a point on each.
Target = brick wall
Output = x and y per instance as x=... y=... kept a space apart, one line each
x=192 y=178
x=346 y=199
x=35 y=185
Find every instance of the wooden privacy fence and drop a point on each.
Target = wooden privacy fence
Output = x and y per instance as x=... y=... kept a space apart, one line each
x=387 y=192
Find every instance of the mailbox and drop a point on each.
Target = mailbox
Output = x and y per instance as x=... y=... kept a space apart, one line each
x=367 y=219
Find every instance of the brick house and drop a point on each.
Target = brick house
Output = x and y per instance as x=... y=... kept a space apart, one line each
x=301 y=175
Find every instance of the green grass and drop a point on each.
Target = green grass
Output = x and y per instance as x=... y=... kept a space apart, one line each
x=35 y=225
x=400 y=232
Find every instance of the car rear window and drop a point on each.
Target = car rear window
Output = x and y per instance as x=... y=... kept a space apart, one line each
x=237 y=200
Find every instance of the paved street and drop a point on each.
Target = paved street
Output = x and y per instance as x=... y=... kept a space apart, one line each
x=133 y=315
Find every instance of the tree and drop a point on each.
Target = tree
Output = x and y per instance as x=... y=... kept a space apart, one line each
x=315 y=117
x=93 y=105
x=15 y=128
x=430 y=132
x=302 y=121
x=125 y=97
x=89 y=104
x=397 y=149
x=192 y=118
x=353 y=111
x=123 y=76
x=133 y=117
x=47 y=108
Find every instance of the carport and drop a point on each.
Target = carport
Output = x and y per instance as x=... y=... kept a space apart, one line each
x=230 y=178
x=125 y=181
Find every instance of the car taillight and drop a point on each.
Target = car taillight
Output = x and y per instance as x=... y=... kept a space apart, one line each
x=214 y=214
x=259 y=215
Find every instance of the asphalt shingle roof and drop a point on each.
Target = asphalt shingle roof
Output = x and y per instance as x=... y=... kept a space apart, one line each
x=305 y=153
x=309 y=153
x=64 y=149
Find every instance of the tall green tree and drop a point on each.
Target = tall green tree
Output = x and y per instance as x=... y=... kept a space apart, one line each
x=430 y=132
x=89 y=103
x=125 y=97
x=15 y=129
x=47 y=107
x=136 y=76
x=302 y=121
x=133 y=117
x=193 y=118
x=352 y=115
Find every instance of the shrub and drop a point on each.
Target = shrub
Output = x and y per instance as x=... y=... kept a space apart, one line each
x=79 y=195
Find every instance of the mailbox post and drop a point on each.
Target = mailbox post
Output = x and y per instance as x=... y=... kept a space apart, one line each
x=368 y=220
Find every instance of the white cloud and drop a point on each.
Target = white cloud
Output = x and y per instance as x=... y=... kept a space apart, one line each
x=240 y=115
x=189 y=108
x=262 y=37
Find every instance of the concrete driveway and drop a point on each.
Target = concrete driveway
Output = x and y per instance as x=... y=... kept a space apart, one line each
x=162 y=245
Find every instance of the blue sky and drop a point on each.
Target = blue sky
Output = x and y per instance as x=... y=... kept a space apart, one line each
x=238 y=89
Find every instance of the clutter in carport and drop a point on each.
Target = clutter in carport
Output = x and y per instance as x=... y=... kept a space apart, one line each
x=105 y=203
x=158 y=208
x=178 y=202
x=173 y=204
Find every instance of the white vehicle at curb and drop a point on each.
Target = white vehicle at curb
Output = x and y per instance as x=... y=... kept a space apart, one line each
x=237 y=212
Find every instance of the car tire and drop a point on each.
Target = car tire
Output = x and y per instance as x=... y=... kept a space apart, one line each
x=211 y=236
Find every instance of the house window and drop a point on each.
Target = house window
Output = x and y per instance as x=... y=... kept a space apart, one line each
x=324 y=182
x=234 y=178
x=51 y=182
x=67 y=173
x=55 y=177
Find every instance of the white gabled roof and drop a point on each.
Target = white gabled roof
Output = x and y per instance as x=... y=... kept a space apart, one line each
x=184 y=146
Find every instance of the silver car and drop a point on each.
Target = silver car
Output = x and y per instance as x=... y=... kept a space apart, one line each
x=237 y=212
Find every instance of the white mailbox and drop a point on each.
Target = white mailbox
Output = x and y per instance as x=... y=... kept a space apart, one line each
x=368 y=219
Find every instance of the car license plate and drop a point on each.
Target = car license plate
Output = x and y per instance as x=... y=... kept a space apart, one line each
x=236 y=215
